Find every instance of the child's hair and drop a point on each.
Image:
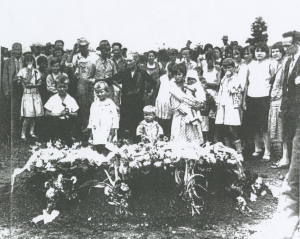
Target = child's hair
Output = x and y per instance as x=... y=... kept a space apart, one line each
x=55 y=61
x=41 y=60
x=101 y=84
x=62 y=80
x=199 y=70
x=149 y=109
x=170 y=67
x=228 y=62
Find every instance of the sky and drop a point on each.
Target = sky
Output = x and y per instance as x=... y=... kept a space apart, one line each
x=142 y=25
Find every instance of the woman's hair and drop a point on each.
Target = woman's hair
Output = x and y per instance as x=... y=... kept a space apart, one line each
x=239 y=49
x=62 y=80
x=228 y=62
x=228 y=48
x=208 y=45
x=153 y=52
x=42 y=59
x=218 y=48
x=251 y=49
x=278 y=45
x=209 y=55
x=100 y=85
x=170 y=67
x=179 y=68
x=263 y=47
x=117 y=44
x=59 y=41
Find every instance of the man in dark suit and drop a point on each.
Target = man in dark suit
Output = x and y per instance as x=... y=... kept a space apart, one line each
x=133 y=81
x=12 y=89
x=286 y=219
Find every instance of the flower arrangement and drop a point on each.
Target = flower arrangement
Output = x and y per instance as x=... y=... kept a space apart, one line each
x=189 y=163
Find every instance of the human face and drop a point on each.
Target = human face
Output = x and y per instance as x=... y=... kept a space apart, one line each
x=186 y=55
x=217 y=54
x=57 y=54
x=289 y=47
x=276 y=54
x=101 y=93
x=179 y=77
x=17 y=51
x=28 y=59
x=151 y=57
x=55 y=68
x=236 y=56
x=259 y=54
x=116 y=51
x=225 y=42
x=229 y=70
x=228 y=54
x=59 y=45
x=247 y=55
x=131 y=61
x=149 y=117
x=105 y=49
x=142 y=65
x=62 y=89
x=203 y=82
x=37 y=50
x=43 y=65
x=84 y=49
x=172 y=57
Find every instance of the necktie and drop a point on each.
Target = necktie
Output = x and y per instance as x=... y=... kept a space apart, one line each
x=18 y=66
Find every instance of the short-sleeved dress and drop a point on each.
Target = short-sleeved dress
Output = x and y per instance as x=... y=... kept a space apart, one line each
x=31 y=105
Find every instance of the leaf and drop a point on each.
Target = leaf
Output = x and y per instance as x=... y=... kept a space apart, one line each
x=89 y=183
x=101 y=185
x=112 y=203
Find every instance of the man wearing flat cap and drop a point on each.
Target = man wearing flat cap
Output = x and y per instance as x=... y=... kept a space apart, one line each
x=83 y=65
x=225 y=42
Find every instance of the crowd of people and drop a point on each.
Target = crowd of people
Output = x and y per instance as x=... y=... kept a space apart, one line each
x=198 y=96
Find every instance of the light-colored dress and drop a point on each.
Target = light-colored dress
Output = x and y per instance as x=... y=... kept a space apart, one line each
x=163 y=106
x=31 y=105
x=275 y=121
x=228 y=113
x=181 y=131
x=150 y=130
x=103 y=118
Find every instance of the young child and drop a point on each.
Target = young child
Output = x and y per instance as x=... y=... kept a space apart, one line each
x=52 y=77
x=194 y=89
x=149 y=129
x=208 y=106
x=104 y=120
x=62 y=111
x=31 y=106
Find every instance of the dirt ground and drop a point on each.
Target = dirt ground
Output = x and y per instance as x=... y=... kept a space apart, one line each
x=153 y=215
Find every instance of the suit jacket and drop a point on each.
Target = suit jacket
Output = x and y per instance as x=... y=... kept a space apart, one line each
x=290 y=105
x=9 y=73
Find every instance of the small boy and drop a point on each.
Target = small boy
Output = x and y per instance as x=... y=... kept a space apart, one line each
x=149 y=129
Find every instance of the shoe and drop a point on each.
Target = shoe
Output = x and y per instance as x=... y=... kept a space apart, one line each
x=257 y=155
x=266 y=158
x=280 y=166
x=23 y=137
x=33 y=136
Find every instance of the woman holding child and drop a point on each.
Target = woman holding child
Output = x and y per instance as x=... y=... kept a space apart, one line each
x=185 y=127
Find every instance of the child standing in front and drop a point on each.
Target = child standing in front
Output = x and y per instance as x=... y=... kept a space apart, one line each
x=31 y=106
x=104 y=120
x=149 y=129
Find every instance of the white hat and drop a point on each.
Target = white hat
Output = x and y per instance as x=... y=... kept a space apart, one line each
x=36 y=44
x=26 y=50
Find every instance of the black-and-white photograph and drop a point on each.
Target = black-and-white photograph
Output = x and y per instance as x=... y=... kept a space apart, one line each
x=150 y=119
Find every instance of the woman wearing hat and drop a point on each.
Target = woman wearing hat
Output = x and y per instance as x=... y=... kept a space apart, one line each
x=31 y=106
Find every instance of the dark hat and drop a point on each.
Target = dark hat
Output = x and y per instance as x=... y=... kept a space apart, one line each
x=172 y=51
x=225 y=38
x=189 y=41
x=49 y=44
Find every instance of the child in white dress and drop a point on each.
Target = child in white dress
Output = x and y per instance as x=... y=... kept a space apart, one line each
x=104 y=120
x=31 y=106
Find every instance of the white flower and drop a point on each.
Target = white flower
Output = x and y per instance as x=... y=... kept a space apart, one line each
x=146 y=157
x=146 y=163
x=74 y=179
x=49 y=167
x=157 y=164
x=39 y=163
x=50 y=193
x=167 y=161
x=107 y=190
